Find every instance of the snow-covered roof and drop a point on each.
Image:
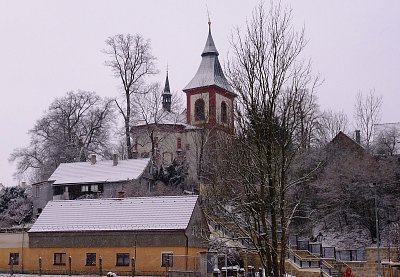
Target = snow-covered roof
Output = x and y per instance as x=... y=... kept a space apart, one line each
x=101 y=171
x=117 y=214
x=168 y=118
x=210 y=70
x=163 y=117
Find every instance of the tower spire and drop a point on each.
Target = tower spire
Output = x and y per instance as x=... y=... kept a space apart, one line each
x=166 y=86
x=166 y=95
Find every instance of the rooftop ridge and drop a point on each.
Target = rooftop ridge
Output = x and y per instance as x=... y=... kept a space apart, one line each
x=125 y=198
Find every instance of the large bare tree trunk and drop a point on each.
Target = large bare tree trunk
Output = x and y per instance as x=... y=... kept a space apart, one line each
x=131 y=61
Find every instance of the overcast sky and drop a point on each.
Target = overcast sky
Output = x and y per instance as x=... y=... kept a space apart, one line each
x=50 y=47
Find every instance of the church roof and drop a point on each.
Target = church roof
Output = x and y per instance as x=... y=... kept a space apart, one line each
x=210 y=70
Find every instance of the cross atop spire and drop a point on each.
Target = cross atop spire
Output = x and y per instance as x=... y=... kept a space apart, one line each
x=209 y=20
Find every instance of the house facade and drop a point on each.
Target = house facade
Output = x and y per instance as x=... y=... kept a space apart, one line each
x=92 y=179
x=145 y=234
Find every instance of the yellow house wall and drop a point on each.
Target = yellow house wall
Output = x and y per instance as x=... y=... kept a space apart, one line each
x=148 y=259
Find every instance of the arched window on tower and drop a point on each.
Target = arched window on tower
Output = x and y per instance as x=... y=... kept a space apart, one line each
x=199 y=110
x=224 y=112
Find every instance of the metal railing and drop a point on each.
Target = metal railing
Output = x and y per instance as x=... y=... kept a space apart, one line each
x=310 y=262
x=351 y=255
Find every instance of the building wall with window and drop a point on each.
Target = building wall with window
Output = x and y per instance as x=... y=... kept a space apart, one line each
x=148 y=260
x=149 y=229
x=42 y=193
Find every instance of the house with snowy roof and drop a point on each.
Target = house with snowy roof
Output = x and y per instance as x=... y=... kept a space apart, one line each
x=144 y=234
x=92 y=179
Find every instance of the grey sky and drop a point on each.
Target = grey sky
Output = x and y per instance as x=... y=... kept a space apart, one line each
x=50 y=47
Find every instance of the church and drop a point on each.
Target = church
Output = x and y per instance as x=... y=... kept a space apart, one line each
x=181 y=137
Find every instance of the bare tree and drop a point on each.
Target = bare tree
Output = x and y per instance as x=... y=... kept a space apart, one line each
x=275 y=91
x=330 y=123
x=74 y=126
x=132 y=62
x=367 y=113
x=386 y=142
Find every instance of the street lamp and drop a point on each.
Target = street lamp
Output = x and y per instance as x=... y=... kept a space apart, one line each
x=377 y=227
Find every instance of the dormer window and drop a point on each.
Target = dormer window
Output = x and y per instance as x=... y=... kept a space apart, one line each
x=199 y=110
x=224 y=112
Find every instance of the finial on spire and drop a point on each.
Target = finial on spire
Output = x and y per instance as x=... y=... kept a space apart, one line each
x=209 y=19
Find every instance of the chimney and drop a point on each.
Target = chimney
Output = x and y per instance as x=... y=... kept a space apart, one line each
x=115 y=159
x=93 y=159
x=358 y=137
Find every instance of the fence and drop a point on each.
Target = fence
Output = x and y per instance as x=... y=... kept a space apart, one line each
x=310 y=262
x=329 y=252
x=351 y=255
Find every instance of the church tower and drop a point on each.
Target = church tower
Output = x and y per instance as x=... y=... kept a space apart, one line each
x=209 y=95
x=166 y=96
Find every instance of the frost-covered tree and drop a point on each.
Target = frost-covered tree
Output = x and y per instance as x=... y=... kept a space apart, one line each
x=15 y=206
x=256 y=177
x=173 y=175
x=73 y=126
x=386 y=142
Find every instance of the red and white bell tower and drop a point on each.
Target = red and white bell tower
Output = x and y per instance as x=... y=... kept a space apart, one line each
x=209 y=96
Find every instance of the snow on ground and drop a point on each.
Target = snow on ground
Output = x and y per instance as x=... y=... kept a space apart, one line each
x=35 y=275
x=352 y=236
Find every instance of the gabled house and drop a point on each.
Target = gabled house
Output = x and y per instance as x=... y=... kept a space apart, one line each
x=86 y=234
x=93 y=179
